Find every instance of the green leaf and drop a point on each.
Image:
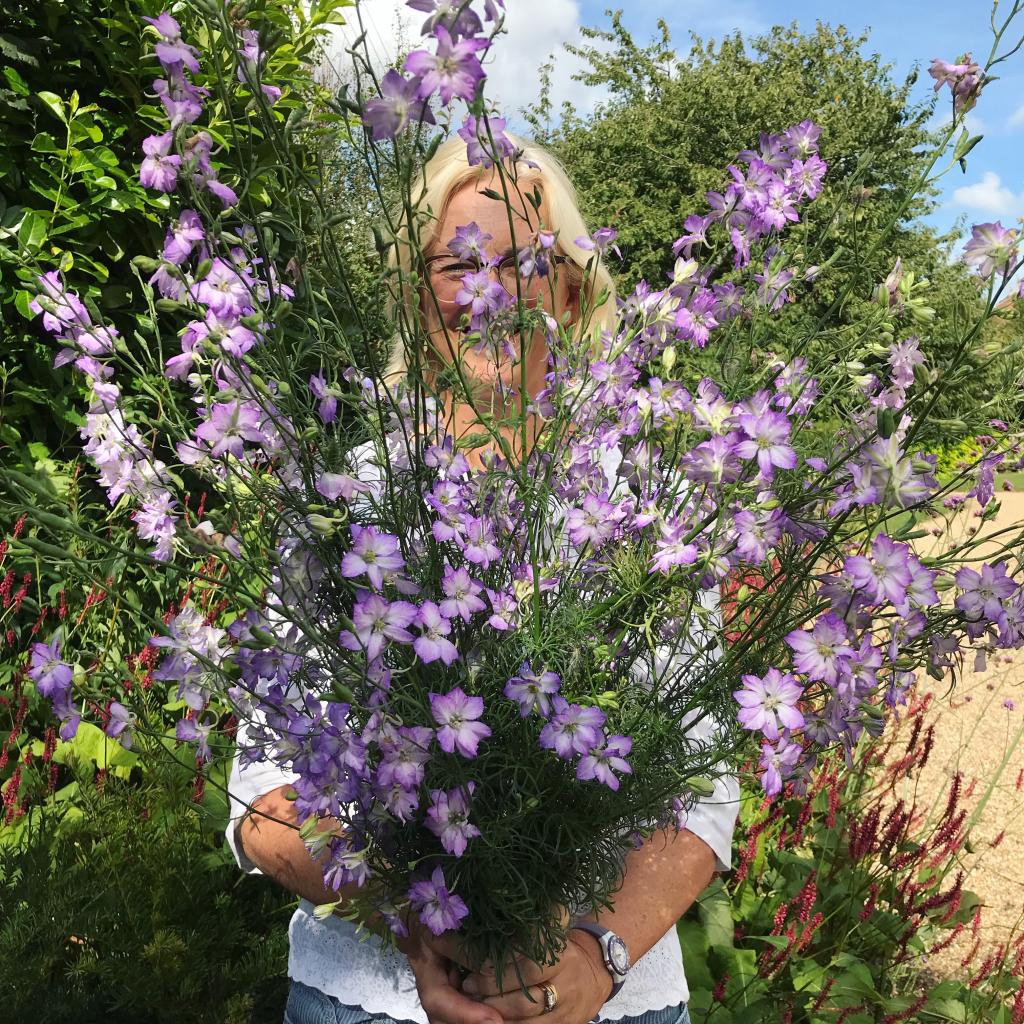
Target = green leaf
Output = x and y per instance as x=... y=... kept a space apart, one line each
x=16 y=82
x=32 y=232
x=715 y=910
x=21 y=300
x=53 y=103
x=45 y=143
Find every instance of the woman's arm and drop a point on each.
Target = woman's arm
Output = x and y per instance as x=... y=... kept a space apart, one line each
x=268 y=836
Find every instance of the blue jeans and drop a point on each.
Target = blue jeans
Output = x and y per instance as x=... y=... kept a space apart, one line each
x=311 y=1006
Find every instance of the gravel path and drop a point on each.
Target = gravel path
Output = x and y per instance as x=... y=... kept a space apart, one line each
x=980 y=736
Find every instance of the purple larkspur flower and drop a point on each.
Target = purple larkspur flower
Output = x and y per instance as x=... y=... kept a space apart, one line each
x=230 y=425
x=963 y=77
x=481 y=294
x=673 y=548
x=756 y=533
x=777 y=761
x=405 y=752
x=64 y=309
x=593 y=523
x=224 y=290
x=457 y=715
x=328 y=407
x=440 y=910
x=119 y=724
x=572 y=729
x=532 y=691
x=171 y=49
x=768 y=703
x=453 y=70
x=474 y=132
x=458 y=17
x=376 y=621
x=159 y=170
x=504 y=609
x=51 y=674
x=479 y=547
x=714 y=461
x=696 y=319
x=462 y=594
x=767 y=440
x=823 y=651
x=182 y=101
x=603 y=762
x=433 y=644
x=884 y=576
x=982 y=594
x=189 y=730
x=448 y=818
x=470 y=243
x=399 y=103
x=992 y=248
x=185 y=232
x=373 y=553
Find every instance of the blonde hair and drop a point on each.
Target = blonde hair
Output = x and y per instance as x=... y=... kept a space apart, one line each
x=443 y=175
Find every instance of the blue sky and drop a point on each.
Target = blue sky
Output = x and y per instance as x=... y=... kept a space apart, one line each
x=905 y=32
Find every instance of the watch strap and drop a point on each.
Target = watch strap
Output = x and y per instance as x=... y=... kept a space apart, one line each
x=602 y=935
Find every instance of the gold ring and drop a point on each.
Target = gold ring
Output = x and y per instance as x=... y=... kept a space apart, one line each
x=550 y=997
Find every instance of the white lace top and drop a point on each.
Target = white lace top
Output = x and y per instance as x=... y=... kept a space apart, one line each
x=361 y=971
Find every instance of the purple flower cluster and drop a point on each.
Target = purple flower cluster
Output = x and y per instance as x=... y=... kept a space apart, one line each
x=449 y=69
x=116 y=447
x=183 y=103
x=992 y=249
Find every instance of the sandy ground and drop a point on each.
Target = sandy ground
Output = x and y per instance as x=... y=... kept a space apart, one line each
x=983 y=737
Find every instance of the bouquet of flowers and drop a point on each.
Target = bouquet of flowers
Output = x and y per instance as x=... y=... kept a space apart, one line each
x=503 y=621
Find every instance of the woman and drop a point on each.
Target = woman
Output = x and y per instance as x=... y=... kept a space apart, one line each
x=337 y=976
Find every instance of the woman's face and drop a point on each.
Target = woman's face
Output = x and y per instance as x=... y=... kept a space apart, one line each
x=554 y=293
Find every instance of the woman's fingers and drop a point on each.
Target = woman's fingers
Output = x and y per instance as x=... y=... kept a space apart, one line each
x=518 y=1005
x=484 y=983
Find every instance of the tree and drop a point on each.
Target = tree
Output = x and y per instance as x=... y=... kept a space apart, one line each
x=646 y=157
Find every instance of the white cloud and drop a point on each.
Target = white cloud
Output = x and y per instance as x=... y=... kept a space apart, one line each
x=535 y=30
x=990 y=196
x=1016 y=118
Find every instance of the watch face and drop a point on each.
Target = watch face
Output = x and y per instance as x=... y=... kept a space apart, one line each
x=619 y=954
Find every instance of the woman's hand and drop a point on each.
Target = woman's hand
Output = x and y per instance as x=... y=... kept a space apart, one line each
x=437 y=981
x=580 y=980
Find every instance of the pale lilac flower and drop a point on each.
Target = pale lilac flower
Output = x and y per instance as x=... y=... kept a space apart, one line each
x=603 y=762
x=433 y=644
x=339 y=485
x=474 y=132
x=229 y=425
x=376 y=621
x=964 y=79
x=481 y=294
x=183 y=234
x=119 y=724
x=886 y=575
x=992 y=249
x=48 y=671
x=455 y=15
x=399 y=103
x=532 y=691
x=983 y=593
x=328 y=407
x=448 y=818
x=188 y=730
x=469 y=243
x=767 y=440
x=405 y=752
x=572 y=729
x=461 y=594
x=824 y=651
x=372 y=553
x=159 y=170
x=479 y=545
x=440 y=910
x=457 y=714
x=777 y=762
x=505 y=609
x=223 y=290
x=673 y=548
x=593 y=523
x=768 y=703
x=454 y=70
x=182 y=101
x=171 y=49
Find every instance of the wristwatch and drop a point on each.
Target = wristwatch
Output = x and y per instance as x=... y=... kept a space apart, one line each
x=614 y=951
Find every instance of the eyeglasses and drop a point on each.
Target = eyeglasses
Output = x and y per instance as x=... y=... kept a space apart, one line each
x=446 y=270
